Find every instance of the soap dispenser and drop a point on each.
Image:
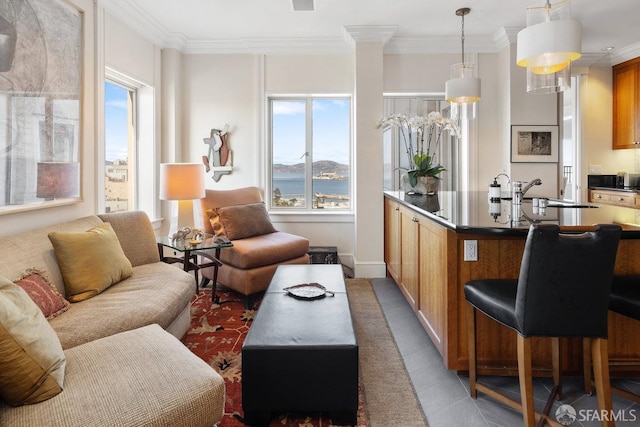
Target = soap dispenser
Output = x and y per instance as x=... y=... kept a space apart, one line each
x=495 y=190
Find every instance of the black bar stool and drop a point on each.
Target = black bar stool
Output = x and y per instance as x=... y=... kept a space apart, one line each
x=623 y=299
x=562 y=291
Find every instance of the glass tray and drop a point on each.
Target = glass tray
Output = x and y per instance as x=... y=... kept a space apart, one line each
x=308 y=291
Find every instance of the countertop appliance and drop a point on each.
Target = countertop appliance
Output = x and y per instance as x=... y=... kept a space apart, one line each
x=628 y=180
x=602 y=181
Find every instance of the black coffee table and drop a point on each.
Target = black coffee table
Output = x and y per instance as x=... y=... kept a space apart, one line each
x=301 y=355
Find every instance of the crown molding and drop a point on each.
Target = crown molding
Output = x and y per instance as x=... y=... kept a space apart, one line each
x=140 y=21
x=269 y=46
x=369 y=33
x=625 y=53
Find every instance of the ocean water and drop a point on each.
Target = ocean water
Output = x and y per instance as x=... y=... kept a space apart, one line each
x=292 y=185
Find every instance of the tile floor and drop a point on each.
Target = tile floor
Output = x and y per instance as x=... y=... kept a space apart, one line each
x=444 y=396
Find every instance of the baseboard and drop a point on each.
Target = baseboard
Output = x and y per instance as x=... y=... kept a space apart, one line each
x=369 y=269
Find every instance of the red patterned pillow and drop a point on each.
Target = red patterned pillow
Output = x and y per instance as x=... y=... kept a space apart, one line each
x=43 y=293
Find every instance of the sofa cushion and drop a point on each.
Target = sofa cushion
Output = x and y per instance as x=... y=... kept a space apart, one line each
x=32 y=249
x=143 y=377
x=90 y=261
x=155 y=293
x=263 y=250
x=42 y=293
x=241 y=221
x=135 y=234
x=32 y=362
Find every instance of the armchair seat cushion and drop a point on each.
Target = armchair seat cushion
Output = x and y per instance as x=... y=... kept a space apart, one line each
x=264 y=250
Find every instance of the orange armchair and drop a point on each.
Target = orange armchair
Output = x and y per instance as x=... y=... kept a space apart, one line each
x=257 y=248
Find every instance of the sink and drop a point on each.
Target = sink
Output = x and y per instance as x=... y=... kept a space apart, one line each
x=553 y=203
x=569 y=205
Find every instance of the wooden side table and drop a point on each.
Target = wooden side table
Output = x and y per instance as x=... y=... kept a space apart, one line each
x=191 y=252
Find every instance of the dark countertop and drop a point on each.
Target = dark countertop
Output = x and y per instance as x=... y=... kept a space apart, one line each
x=622 y=190
x=470 y=212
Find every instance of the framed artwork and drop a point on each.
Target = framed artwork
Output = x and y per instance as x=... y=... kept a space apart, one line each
x=41 y=78
x=534 y=144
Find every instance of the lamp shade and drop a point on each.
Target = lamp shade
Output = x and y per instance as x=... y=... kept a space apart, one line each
x=58 y=180
x=463 y=87
x=549 y=46
x=181 y=181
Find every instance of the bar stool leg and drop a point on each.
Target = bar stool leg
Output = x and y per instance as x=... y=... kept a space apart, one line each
x=526 y=380
x=555 y=358
x=586 y=363
x=601 y=377
x=471 y=349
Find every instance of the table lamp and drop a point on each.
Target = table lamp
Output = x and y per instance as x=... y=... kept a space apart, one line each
x=58 y=180
x=182 y=182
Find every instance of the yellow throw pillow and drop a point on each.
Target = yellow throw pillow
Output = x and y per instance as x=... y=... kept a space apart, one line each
x=90 y=261
x=31 y=358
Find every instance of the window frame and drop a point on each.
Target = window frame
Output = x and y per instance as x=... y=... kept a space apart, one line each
x=308 y=209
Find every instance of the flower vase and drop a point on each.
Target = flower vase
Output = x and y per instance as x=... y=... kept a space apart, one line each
x=430 y=183
x=418 y=189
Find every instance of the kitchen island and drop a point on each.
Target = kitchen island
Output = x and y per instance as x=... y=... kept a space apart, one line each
x=435 y=244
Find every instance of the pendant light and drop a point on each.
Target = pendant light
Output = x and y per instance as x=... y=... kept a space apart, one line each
x=462 y=90
x=547 y=46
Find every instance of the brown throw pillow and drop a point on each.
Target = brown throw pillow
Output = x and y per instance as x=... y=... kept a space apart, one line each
x=42 y=293
x=242 y=221
x=90 y=261
x=32 y=362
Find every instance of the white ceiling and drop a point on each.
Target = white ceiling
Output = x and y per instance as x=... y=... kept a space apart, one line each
x=416 y=26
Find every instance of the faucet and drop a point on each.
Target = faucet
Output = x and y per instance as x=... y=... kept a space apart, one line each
x=519 y=192
x=536 y=181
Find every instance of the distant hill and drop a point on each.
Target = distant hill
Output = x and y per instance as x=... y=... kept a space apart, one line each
x=322 y=166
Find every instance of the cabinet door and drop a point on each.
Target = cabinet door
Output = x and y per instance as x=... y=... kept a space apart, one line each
x=433 y=281
x=392 y=238
x=409 y=255
x=626 y=105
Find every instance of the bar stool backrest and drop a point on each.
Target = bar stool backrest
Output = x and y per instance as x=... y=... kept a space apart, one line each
x=565 y=280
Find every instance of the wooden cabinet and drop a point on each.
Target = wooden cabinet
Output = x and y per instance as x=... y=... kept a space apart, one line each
x=617 y=198
x=626 y=104
x=433 y=274
x=392 y=238
x=409 y=229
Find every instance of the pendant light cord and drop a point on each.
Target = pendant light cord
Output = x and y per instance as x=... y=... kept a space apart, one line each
x=462 y=39
x=462 y=12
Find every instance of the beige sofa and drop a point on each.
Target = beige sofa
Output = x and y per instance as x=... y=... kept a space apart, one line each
x=250 y=264
x=125 y=364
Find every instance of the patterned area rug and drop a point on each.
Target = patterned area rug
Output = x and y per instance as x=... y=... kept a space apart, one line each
x=216 y=336
x=386 y=394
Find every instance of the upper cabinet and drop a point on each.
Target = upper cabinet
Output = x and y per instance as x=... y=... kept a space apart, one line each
x=626 y=104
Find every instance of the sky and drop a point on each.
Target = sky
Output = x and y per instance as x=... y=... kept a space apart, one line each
x=115 y=129
x=331 y=123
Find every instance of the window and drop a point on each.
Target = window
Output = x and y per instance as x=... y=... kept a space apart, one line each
x=396 y=161
x=127 y=157
x=310 y=141
x=119 y=119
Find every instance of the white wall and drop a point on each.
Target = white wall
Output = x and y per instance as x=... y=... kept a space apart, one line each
x=128 y=52
x=532 y=109
x=219 y=89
